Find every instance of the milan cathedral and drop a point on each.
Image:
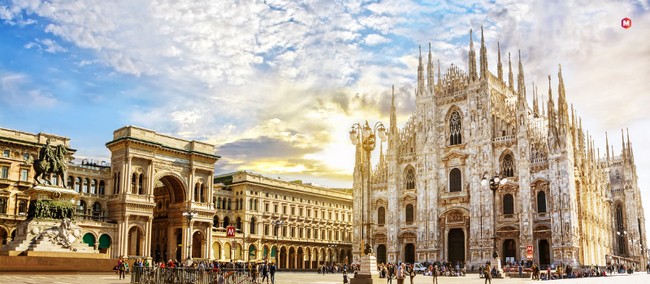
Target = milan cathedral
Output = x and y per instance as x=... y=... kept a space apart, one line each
x=562 y=198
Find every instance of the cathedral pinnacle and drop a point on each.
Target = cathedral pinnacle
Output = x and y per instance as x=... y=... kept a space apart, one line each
x=499 y=65
x=521 y=87
x=511 y=81
x=420 y=89
x=535 y=102
x=430 y=75
x=484 y=65
x=472 y=59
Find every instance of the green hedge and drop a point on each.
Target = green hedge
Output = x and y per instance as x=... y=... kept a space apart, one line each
x=51 y=209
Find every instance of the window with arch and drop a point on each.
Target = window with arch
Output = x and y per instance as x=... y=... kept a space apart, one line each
x=197 y=192
x=203 y=193
x=219 y=203
x=508 y=204
x=455 y=129
x=252 y=226
x=77 y=184
x=134 y=180
x=381 y=216
x=101 y=188
x=226 y=221
x=215 y=221
x=508 y=166
x=93 y=186
x=97 y=210
x=541 y=202
x=620 y=229
x=85 y=185
x=70 y=182
x=455 y=180
x=141 y=184
x=409 y=213
x=410 y=178
x=238 y=223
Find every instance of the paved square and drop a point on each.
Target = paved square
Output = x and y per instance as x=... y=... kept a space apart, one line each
x=312 y=278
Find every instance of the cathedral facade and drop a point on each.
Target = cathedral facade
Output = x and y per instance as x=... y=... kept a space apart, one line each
x=561 y=201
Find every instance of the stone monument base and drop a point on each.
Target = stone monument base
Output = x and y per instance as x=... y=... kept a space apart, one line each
x=496 y=262
x=367 y=272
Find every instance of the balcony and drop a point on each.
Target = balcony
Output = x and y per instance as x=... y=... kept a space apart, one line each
x=544 y=216
x=454 y=197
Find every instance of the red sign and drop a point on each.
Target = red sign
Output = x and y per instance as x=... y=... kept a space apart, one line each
x=230 y=231
x=529 y=252
x=626 y=23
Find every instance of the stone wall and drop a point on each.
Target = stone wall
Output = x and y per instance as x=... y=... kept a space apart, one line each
x=35 y=263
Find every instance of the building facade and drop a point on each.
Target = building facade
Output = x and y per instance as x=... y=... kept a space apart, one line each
x=297 y=225
x=157 y=198
x=560 y=197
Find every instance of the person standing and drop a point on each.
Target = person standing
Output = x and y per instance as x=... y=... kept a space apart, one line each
x=265 y=273
x=488 y=273
x=272 y=272
x=434 y=273
x=400 y=273
x=390 y=273
x=411 y=272
x=345 y=276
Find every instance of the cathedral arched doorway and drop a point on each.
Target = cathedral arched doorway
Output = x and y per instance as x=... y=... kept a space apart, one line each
x=456 y=246
x=409 y=253
x=544 y=252
x=381 y=254
x=509 y=251
x=169 y=196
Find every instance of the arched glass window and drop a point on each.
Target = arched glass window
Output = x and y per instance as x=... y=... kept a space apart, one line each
x=381 y=216
x=97 y=210
x=620 y=230
x=508 y=166
x=77 y=184
x=226 y=222
x=219 y=203
x=455 y=129
x=252 y=225
x=238 y=223
x=102 y=186
x=70 y=182
x=93 y=186
x=203 y=193
x=409 y=213
x=508 y=204
x=410 y=178
x=541 y=202
x=196 y=192
x=215 y=221
x=140 y=184
x=455 y=180
x=85 y=185
x=134 y=179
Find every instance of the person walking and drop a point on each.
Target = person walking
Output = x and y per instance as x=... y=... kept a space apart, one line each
x=265 y=273
x=345 y=276
x=400 y=273
x=272 y=272
x=488 y=273
x=390 y=273
x=411 y=272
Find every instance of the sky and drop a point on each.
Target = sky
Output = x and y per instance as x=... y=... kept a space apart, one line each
x=276 y=85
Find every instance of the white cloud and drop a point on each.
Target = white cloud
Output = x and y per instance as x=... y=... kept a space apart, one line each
x=46 y=45
x=16 y=90
x=375 y=39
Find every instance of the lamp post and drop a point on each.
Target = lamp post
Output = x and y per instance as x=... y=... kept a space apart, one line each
x=364 y=134
x=189 y=214
x=494 y=183
x=277 y=224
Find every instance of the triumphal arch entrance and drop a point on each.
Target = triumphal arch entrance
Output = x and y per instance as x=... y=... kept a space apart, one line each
x=161 y=194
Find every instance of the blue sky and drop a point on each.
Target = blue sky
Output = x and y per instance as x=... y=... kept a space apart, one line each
x=277 y=84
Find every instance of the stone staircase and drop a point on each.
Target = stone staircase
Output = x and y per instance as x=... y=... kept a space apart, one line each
x=33 y=236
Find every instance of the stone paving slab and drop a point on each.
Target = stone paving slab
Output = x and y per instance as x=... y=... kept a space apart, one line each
x=310 y=278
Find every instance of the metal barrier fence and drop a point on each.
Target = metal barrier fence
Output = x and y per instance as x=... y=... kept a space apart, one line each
x=181 y=275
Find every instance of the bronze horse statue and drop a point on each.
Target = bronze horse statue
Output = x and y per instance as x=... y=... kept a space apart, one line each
x=51 y=161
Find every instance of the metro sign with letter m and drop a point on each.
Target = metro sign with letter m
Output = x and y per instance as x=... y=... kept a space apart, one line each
x=230 y=231
x=626 y=23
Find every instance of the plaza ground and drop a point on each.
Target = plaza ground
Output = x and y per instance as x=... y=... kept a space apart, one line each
x=304 y=277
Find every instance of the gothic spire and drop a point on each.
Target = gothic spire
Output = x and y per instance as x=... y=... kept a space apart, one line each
x=393 y=115
x=563 y=115
x=420 y=89
x=439 y=75
x=430 y=75
x=483 y=58
x=511 y=81
x=499 y=65
x=607 y=146
x=551 y=107
x=521 y=87
x=472 y=59
x=623 y=150
x=535 y=102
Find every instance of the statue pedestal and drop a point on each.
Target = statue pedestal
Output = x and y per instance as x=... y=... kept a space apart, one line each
x=367 y=272
x=46 y=192
x=496 y=263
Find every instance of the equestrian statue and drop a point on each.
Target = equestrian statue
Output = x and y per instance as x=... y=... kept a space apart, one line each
x=51 y=160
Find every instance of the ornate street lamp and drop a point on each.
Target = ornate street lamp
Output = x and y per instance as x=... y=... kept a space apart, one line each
x=364 y=134
x=277 y=224
x=190 y=214
x=494 y=183
x=622 y=248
